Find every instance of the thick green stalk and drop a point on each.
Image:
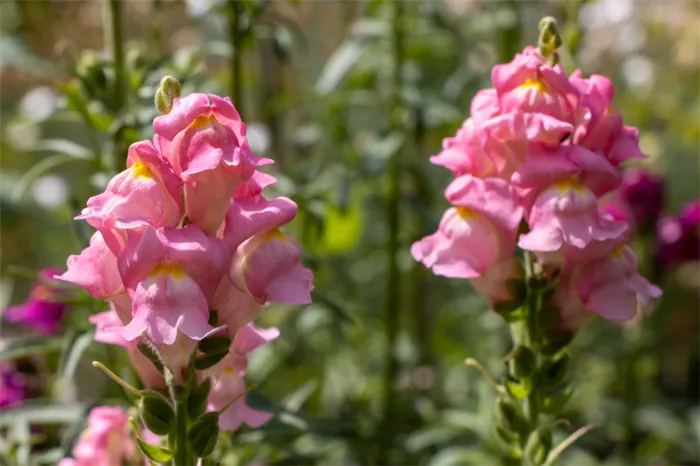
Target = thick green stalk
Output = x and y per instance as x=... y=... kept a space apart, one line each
x=183 y=456
x=392 y=302
x=234 y=8
x=114 y=42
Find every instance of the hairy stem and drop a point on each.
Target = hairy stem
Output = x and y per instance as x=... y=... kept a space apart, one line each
x=183 y=456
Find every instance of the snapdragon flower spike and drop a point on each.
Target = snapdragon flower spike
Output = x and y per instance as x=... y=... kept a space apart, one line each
x=171 y=274
x=105 y=442
x=44 y=309
x=478 y=232
x=610 y=286
x=204 y=139
x=146 y=193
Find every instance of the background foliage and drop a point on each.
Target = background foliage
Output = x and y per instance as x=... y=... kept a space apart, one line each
x=317 y=88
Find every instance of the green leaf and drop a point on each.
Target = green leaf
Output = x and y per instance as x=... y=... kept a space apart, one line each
x=459 y=456
x=42 y=414
x=31 y=175
x=296 y=400
x=62 y=146
x=215 y=345
x=157 y=454
x=339 y=65
x=30 y=346
x=75 y=352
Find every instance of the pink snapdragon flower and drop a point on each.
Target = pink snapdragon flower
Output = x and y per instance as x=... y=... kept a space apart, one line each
x=44 y=309
x=544 y=147
x=105 y=442
x=146 y=193
x=205 y=142
x=527 y=84
x=227 y=380
x=567 y=213
x=171 y=274
x=95 y=269
x=478 y=232
x=610 y=287
x=185 y=234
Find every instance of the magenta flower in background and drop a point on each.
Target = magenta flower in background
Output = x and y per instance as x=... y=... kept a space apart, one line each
x=677 y=238
x=12 y=386
x=643 y=192
x=43 y=310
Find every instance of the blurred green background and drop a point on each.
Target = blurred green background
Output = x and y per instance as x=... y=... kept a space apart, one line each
x=316 y=88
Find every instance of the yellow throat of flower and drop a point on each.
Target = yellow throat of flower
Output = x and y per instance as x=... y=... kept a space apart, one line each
x=465 y=213
x=170 y=269
x=141 y=170
x=570 y=184
x=536 y=84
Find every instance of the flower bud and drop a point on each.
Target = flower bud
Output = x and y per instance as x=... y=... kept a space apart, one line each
x=156 y=413
x=203 y=434
x=168 y=90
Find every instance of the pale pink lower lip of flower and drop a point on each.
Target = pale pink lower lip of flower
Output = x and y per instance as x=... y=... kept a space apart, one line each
x=95 y=269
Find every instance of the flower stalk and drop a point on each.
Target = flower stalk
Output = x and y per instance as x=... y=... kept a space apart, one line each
x=234 y=9
x=114 y=42
x=392 y=300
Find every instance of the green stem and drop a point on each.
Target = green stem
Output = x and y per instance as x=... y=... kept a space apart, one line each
x=392 y=303
x=183 y=456
x=234 y=14
x=114 y=41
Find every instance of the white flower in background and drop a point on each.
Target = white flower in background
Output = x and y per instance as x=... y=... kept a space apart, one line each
x=605 y=13
x=50 y=191
x=38 y=104
x=259 y=138
x=638 y=71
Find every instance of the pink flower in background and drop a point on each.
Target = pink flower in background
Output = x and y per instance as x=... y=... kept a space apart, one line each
x=44 y=309
x=13 y=387
x=678 y=238
x=643 y=193
x=544 y=147
x=105 y=442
